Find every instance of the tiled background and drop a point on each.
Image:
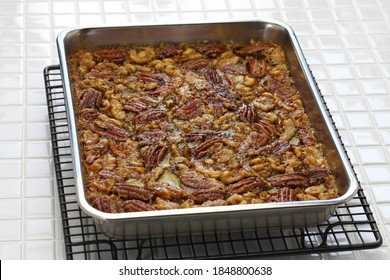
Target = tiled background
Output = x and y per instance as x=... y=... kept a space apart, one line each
x=346 y=42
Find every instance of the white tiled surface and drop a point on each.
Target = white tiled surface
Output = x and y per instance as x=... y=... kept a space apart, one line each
x=346 y=42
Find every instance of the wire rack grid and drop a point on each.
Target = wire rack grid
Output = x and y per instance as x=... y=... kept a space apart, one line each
x=351 y=227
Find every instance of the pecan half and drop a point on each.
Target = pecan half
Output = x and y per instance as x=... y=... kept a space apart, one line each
x=285 y=195
x=105 y=203
x=128 y=191
x=266 y=128
x=148 y=116
x=190 y=110
x=155 y=155
x=104 y=76
x=110 y=175
x=151 y=136
x=278 y=147
x=211 y=50
x=196 y=180
x=88 y=113
x=91 y=98
x=112 y=131
x=248 y=113
x=315 y=174
x=115 y=55
x=282 y=90
x=245 y=185
x=306 y=137
x=257 y=68
x=135 y=105
x=203 y=195
x=195 y=63
x=212 y=76
x=291 y=180
x=135 y=205
x=234 y=69
x=117 y=133
x=201 y=149
x=167 y=52
x=200 y=135
x=150 y=77
x=254 y=48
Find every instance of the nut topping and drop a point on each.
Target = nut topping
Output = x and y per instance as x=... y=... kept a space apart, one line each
x=137 y=206
x=246 y=185
x=128 y=191
x=190 y=110
x=148 y=116
x=155 y=155
x=193 y=124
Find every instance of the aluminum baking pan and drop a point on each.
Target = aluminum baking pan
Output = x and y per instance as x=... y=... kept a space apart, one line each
x=221 y=218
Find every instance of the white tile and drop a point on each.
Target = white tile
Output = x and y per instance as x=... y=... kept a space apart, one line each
x=10 y=169
x=359 y=120
x=215 y=5
x=11 y=7
x=190 y=5
x=381 y=193
x=38 y=208
x=90 y=19
x=367 y=71
x=10 y=150
x=10 y=114
x=379 y=102
x=89 y=7
x=11 y=50
x=384 y=210
x=11 y=230
x=330 y=42
x=10 y=188
x=385 y=134
x=239 y=5
x=38 y=35
x=34 y=168
x=165 y=5
x=348 y=87
x=37 y=7
x=14 y=131
x=11 y=97
x=35 y=229
x=320 y=15
x=378 y=174
x=365 y=137
x=11 y=81
x=11 y=36
x=36 y=149
x=10 y=208
x=37 y=21
x=63 y=21
x=39 y=250
x=38 y=187
x=36 y=114
x=10 y=250
x=37 y=131
x=372 y=155
x=374 y=86
x=382 y=119
x=353 y=103
x=140 y=6
x=361 y=56
x=11 y=66
x=114 y=7
x=340 y=72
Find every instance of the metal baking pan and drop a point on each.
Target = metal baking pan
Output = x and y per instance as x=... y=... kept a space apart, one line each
x=296 y=214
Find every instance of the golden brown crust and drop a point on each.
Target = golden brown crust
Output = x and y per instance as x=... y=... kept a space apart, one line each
x=194 y=124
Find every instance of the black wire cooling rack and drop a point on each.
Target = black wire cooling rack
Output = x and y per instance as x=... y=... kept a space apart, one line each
x=352 y=226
